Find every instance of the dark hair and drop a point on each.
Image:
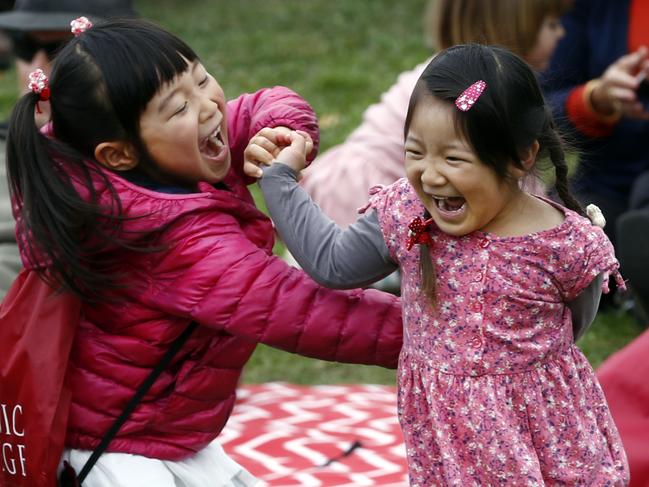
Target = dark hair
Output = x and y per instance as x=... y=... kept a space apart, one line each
x=101 y=83
x=508 y=117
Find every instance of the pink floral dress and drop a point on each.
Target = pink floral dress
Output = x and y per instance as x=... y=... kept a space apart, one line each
x=492 y=389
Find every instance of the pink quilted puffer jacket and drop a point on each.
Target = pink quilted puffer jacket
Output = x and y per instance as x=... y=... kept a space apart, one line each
x=218 y=270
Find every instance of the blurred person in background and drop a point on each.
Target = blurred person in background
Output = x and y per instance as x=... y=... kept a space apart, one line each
x=5 y=42
x=595 y=84
x=38 y=28
x=340 y=178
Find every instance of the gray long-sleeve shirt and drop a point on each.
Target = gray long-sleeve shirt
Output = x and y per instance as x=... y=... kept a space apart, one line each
x=358 y=255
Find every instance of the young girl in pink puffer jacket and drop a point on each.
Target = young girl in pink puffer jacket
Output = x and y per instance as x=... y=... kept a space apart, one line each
x=134 y=198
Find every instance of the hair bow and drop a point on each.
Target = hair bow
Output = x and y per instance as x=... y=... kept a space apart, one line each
x=80 y=25
x=596 y=216
x=39 y=84
x=418 y=232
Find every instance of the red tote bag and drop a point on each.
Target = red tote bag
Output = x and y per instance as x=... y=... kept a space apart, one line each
x=37 y=327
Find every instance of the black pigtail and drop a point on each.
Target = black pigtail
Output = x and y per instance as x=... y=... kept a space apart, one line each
x=428 y=271
x=552 y=142
x=52 y=218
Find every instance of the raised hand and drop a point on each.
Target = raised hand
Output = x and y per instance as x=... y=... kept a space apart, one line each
x=263 y=148
x=296 y=153
x=615 y=91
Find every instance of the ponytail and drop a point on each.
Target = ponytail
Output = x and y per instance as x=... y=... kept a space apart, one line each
x=59 y=231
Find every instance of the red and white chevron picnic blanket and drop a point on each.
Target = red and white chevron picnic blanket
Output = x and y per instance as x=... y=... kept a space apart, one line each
x=309 y=436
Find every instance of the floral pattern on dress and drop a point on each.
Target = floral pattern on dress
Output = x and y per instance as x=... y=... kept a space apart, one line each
x=492 y=389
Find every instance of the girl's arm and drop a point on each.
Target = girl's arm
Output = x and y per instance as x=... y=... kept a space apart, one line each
x=333 y=257
x=216 y=276
x=269 y=107
x=584 y=307
x=340 y=178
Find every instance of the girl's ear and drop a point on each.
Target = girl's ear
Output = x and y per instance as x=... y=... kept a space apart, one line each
x=528 y=159
x=116 y=155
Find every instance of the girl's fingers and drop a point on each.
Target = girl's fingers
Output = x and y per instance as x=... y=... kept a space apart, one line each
x=255 y=153
x=264 y=143
x=309 y=141
x=276 y=135
x=253 y=157
x=284 y=139
x=298 y=142
x=252 y=170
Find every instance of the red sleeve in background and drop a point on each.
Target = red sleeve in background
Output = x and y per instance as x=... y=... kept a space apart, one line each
x=583 y=118
x=638 y=18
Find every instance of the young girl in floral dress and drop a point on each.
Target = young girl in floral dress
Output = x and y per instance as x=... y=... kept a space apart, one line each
x=496 y=281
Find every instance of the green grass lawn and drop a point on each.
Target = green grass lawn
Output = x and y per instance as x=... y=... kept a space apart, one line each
x=340 y=55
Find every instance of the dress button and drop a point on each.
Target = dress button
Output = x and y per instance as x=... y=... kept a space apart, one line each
x=476 y=342
x=476 y=307
x=484 y=243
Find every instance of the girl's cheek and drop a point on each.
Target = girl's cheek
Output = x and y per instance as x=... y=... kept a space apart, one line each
x=414 y=168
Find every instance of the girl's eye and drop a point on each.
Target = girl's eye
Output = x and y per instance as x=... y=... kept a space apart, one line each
x=204 y=81
x=181 y=109
x=454 y=160
x=412 y=153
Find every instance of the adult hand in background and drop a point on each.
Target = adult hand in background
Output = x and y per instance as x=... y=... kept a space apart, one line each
x=616 y=90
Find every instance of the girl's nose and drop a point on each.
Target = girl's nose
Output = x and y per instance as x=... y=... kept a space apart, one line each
x=209 y=108
x=432 y=176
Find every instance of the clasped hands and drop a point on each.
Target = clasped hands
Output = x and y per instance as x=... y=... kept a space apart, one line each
x=278 y=144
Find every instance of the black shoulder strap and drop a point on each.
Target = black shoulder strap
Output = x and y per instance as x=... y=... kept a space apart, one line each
x=137 y=397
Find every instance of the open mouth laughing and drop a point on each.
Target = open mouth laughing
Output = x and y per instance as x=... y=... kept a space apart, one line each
x=450 y=207
x=213 y=145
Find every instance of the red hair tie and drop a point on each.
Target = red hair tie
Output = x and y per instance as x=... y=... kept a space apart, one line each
x=80 y=25
x=39 y=84
x=418 y=232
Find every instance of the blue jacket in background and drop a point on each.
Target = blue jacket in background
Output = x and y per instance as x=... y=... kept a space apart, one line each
x=596 y=36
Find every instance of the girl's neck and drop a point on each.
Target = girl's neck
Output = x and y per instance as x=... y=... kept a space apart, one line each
x=525 y=214
x=144 y=180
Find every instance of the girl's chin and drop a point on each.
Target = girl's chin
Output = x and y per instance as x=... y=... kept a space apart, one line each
x=219 y=170
x=454 y=228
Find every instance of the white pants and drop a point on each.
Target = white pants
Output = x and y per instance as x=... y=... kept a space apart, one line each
x=210 y=467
